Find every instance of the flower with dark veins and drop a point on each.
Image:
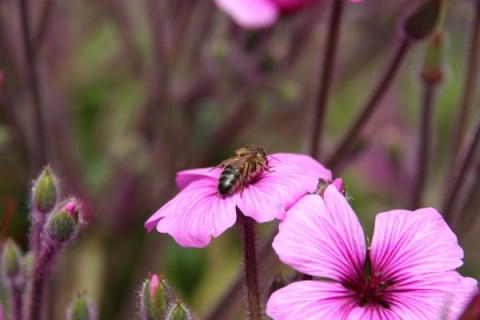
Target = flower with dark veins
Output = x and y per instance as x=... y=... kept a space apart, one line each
x=408 y=272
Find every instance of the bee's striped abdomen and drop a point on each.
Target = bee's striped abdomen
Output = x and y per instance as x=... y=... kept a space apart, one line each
x=229 y=180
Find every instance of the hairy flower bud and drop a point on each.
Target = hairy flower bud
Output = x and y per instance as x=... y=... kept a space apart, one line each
x=27 y=263
x=423 y=20
x=45 y=193
x=11 y=259
x=81 y=308
x=63 y=222
x=155 y=296
x=179 y=312
x=324 y=183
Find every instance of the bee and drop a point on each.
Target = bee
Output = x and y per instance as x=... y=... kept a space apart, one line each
x=239 y=170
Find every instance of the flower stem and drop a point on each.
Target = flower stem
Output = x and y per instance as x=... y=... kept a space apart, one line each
x=468 y=93
x=469 y=207
x=46 y=13
x=382 y=86
x=250 y=259
x=17 y=301
x=425 y=144
x=326 y=77
x=40 y=273
x=38 y=221
x=457 y=186
x=31 y=57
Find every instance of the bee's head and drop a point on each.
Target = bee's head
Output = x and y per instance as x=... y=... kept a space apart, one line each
x=260 y=152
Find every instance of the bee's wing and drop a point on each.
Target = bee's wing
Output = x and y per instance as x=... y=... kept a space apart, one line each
x=227 y=162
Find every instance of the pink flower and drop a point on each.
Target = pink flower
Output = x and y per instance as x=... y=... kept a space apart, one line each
x=260 y=13
x=199 y=212
x=408 y=271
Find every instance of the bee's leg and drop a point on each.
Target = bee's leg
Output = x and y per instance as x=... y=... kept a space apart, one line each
x=266 y=167
x=244 y=182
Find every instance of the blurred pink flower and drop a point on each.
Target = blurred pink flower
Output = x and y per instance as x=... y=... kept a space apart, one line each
x=408 y=271
x=260 y=13
x=199 y=212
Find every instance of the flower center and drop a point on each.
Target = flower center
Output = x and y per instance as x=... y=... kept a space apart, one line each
x=370 y=288
x=372 y=291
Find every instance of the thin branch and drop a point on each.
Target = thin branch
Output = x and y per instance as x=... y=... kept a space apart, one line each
x=47 y=10
x=424 y=151
x=456 y=186
x=32 y=64
x=468 y=94
x=373 y=102
x=326 y=78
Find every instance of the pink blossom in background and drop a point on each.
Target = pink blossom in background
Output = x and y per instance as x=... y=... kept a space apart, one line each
x=413 y=257
x=260 y=13
x=199 y=212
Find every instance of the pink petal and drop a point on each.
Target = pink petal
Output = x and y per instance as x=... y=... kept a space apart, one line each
x=372 y=312
x=250 y=13
x=310 y=300
x=290 y=5
x=196 y=214
x=298 y=163
x=410 y=243
x=275 y=192
x=432 y=296
x=184 y=178
x=322 y=237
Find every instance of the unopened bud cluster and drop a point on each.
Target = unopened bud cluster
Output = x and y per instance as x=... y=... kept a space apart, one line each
x=55 y=223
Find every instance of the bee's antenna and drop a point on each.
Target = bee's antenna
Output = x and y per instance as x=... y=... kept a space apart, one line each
x=275 y=158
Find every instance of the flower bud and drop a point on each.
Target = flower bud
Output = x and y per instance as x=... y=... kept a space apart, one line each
x=423 y=20
x=11 y=259
x=44 y=192
x=155 y=296
x=432 y=70
x=179 y=312
x=62 y=224
x=81 y=308
x=277 y=283
x=27 y=264
x=323 y=184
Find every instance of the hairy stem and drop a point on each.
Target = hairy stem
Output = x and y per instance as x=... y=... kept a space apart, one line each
x=17 y=301
x=359 y=123
x=40 y=273
x=326 y=78
x=38 y=221
x=250 y=259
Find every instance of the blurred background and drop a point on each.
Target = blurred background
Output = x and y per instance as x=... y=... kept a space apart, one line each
x=117 y=96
